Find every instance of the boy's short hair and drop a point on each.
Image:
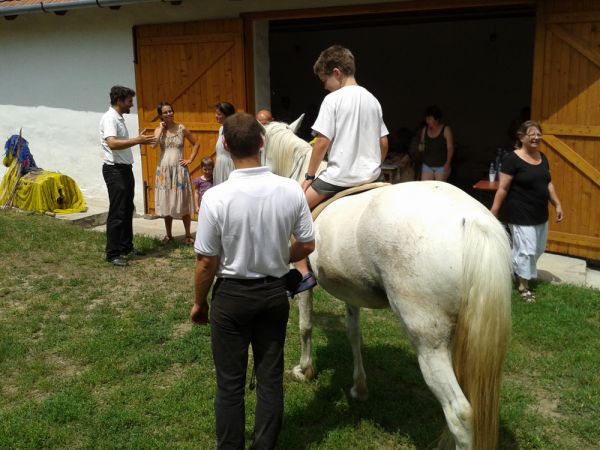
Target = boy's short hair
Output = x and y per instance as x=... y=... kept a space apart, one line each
x=333 y=57
x=120 y=93
x=243 y=135
x=207 y=162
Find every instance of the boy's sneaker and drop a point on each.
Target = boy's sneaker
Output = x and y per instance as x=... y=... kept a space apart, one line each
x=308 y=282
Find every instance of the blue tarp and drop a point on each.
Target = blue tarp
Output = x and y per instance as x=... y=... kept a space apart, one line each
x=25 y=156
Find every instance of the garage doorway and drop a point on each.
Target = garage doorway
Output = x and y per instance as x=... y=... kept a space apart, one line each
x=475 y=65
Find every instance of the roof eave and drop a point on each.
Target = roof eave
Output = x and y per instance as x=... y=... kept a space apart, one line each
x=66 y=6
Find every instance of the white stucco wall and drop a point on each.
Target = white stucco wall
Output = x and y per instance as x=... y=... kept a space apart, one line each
x=56 y=73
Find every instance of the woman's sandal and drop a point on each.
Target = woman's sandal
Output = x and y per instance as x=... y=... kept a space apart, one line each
x=527 y=295
x=167 y=239
x=189 y=240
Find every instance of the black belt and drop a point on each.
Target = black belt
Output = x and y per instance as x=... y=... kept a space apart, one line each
x=252 y=281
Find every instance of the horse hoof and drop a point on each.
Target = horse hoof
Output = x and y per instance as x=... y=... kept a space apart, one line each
x=361 y=395
x=303 y=375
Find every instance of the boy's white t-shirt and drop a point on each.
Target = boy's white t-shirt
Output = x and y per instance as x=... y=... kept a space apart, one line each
x=351 y=118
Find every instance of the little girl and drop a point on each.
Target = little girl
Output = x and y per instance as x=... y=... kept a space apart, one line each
x=203 y=182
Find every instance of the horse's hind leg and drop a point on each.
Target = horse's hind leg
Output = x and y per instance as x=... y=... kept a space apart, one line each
x=305 y=371
x=436 y=366
x=359 y=390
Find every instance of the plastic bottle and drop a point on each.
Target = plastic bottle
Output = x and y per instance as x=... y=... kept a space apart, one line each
x=492 y=172
x=498 y=159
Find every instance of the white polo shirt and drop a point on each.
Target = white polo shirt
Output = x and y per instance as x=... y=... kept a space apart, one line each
x=113 y=124
x=351 y=118
x=248 y=221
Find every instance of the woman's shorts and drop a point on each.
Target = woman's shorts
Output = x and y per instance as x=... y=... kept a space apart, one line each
x=435 y=170
x=327 y=189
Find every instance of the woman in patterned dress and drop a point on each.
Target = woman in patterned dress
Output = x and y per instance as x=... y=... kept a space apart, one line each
x=224 y=163
x=173 y=188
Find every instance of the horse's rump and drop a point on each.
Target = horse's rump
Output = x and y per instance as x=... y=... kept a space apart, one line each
x=407 y=236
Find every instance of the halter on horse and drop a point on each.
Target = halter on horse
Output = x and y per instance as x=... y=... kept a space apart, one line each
x=440 y=261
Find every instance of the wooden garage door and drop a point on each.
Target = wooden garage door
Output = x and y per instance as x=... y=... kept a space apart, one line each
x=193 y=66
x=566 y=99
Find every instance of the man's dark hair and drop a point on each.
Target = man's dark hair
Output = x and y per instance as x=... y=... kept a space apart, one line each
x=120 y=93
x=243 y=135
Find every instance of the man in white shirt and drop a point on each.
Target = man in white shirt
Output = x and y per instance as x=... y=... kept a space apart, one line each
x=118 y=174
x=244 y=228
x=350 y=130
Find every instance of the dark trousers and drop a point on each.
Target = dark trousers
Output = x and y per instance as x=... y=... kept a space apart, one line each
x=243 y=313
x=119 y=225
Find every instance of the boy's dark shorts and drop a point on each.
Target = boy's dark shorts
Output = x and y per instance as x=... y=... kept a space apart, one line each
x=327 y=189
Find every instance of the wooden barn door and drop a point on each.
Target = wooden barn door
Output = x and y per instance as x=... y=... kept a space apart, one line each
x=192 y=66
x=566 y=99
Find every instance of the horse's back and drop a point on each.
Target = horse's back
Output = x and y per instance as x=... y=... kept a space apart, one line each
x=407 y=238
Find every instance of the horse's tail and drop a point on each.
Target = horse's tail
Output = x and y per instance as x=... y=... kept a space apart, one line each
x=483 y=325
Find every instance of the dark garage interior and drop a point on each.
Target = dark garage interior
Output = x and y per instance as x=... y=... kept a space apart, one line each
x=475 y=65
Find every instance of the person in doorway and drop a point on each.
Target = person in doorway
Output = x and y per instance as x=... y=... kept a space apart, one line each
x=243 y=235
x=173 y=188
x=264 y=116
x=437 y=146
x=522 y=202
x=118 y=174
x=204 y=182
x=224 y=164
x=350 y=130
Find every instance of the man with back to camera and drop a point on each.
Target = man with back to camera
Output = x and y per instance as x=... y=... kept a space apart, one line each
x=118 y=174
x=243 y=236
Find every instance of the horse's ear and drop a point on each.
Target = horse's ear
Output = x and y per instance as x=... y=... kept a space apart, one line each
x=295 y=125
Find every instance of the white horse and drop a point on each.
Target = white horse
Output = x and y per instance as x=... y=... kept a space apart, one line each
x=441 y=262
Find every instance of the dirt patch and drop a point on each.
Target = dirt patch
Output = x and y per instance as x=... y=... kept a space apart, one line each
x=182 y=329
x=63 y=366
x=546 y=406
x=170 y=376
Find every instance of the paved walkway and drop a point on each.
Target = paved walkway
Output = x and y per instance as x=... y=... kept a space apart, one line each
x=551 y=268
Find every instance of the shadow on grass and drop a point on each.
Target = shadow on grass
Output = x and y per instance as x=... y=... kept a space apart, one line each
x=399 y=401
x=400 y=404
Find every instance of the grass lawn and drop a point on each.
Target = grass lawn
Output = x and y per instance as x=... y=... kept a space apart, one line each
x=94 y=356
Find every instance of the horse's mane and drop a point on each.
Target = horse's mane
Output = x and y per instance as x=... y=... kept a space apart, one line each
x=285 y=153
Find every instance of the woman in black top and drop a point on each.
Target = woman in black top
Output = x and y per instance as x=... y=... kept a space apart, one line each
x=437 y=145
x=522 y=202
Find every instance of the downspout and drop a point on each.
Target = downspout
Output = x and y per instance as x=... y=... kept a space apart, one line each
x=74 y=4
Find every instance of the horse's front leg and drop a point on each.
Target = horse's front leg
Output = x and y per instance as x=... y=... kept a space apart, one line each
x=359 y=391
x=305 y=371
